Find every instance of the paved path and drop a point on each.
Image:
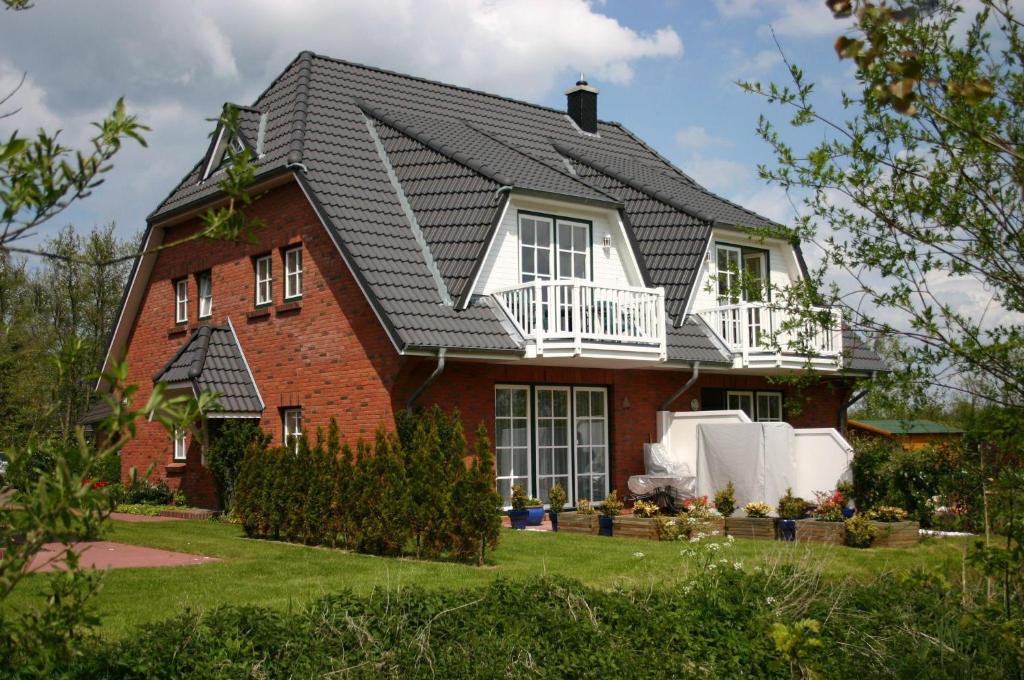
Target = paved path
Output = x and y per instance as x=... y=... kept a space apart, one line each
x=110 y=555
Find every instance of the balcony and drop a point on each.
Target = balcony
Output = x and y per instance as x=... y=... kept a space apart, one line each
x=579 y=318
x=763 y=336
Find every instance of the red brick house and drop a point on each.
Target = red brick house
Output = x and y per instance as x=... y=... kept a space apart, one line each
x=545 y=272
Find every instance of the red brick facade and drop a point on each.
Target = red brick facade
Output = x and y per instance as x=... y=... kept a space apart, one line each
x=330 y=355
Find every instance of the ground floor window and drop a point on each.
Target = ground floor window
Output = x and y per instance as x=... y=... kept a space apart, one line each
x=292 y=418
x=552 y=434
x=180 y=444
x=759 y=406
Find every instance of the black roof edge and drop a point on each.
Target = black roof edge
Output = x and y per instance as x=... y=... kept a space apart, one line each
x=382 y=315
x=456 y=156
x=466 y=296
x=299 y=109
x=634 y=246
x=551 y=195
x=629 y=181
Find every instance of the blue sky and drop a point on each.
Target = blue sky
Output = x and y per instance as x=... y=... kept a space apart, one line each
x=665 y=69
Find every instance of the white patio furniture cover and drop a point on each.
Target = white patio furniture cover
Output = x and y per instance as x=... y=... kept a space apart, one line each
x=663 y=471
x=758 y=458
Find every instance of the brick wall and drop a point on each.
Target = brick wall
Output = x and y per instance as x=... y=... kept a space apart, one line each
x=330 y=355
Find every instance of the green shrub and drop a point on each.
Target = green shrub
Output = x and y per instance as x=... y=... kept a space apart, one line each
x=887 y=513
x=860 y=532
x=611 y=506
x=519 y=497
x=229 y=443
x=585 y=507
x=645 y=509
x=755 y=509
x=725 y=500
x=144 y=492
x=556 y=498
x=792 y=507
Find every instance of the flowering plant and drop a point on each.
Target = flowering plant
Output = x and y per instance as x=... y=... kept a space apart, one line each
x=645 y=509
x=829 y=506
x=755 y=509
x=700 y=508
x=887 y=513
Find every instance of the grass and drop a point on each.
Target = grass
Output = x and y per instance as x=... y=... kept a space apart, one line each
x=284 y=575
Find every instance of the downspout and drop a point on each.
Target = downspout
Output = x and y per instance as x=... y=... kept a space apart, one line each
x=689 y=383
x=842 y=416
x=438 y=370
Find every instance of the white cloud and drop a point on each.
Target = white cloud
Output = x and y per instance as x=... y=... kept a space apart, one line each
x=769 y=201
x=718 y=174
x=756 y=66
x=793 y=18
x=696 y=137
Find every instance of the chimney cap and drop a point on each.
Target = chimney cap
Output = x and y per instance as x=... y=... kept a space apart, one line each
x=582 y=86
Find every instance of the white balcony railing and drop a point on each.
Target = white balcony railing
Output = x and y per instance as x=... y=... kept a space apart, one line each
x=578 y=314
x=757 y=328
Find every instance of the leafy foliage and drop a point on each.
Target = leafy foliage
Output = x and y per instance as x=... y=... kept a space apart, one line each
x=792 y=507
x=725 y=499
x=756 y=509
x=557 y=498
x=611 y=506
x=228 y=446
x=860 y=532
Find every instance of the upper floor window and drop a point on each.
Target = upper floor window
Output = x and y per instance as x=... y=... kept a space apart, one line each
x=205 y=294
x=181 y=301
x=292 y=418
x=180 y=444
x=293 y=273
x=742 y=274
x=264 y=291
x=553 y=248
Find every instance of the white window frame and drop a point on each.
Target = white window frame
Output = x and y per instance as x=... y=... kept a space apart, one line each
x=264 y=279
x=205 y=297
x=571 y=250
x=291 y=419
x=728 y=274
x=740 y=394
x=548 y=224
x=180 y=444
x=512 y=447
x=181 y=301
x=293 y=273
x=570 y=433
x=773 y=396
x=591 y=418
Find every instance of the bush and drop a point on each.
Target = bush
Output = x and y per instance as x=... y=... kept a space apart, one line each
x=228 y=446
x=792 y=507
x=645 y=509
x=519 y=497
x=756 y=509
x=556 y=498
x=612 y=506
x=829 y=506
x=887 y=513
x=143 y=492
x=860 y=532
x=584 y=507
x=725 y=500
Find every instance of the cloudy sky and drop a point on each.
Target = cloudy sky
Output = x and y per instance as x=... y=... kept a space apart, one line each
x=665 y=68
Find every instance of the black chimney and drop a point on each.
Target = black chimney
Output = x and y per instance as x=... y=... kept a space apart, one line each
x=581 y=104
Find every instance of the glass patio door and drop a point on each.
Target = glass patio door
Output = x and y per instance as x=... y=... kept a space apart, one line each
x=512 y=438
x=553 y=452
x=591 y=406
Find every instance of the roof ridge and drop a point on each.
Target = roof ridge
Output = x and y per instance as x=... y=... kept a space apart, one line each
x=629 y=181
x=202 y=338
x=304 y=63
x=461 y=88
x=426 y=140
x=498 y=140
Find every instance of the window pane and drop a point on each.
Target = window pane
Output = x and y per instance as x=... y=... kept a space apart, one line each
x=580 y=266
x=529 y=231
x=504 y=462
x=502 y=432
x=565 y=265
x=543 y=234
x=528 y=260
x=543 y=265
x=519 y=403
x=502 y=402
x=581 y=239
x=565 y=236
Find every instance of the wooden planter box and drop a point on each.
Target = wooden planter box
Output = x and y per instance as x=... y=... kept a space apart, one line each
x=574 y=522
x=627 y=526
x=896 y=534
x=815 y=531
x=751 y=527
x=707 y=527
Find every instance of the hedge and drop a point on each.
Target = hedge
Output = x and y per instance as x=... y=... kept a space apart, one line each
x=409 y=492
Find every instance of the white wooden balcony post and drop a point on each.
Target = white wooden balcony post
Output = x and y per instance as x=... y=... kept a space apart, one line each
x=661 y=323
x=577 y=318
x=538 y=314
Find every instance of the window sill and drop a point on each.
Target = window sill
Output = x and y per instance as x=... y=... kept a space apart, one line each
x=175 y=468
x=177 y=330
x=288 y=307
x=258 y=313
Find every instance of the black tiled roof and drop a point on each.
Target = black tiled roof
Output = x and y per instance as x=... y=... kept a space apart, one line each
x=859 y=356
x=450 y=150
x=212 y=361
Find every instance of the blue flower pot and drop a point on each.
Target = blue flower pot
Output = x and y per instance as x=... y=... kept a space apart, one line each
x=519 y=518
x=604 y=525
x=536 y=516
x=787 y=529
x=848 y=513
x=554 y=519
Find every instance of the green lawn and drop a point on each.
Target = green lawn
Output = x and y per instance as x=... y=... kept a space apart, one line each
x=286 y=575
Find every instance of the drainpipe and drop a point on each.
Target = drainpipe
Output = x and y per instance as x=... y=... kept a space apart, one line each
x=438 y=370
x=689 y=383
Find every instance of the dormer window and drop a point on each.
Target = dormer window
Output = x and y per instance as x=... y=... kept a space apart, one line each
x=553 y=248
x=237 y=145
x=293 y=273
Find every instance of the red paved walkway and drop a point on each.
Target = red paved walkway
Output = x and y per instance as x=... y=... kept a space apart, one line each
x=110 y=555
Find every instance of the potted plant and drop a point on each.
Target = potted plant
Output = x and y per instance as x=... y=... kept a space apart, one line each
x=826 y=523
x=790 y=509
x=556 y=501
x=703 y=517
x=535 y=511
x=755 y=524
x=611 y=507
x=846 y=489
x=519 y=514
x=642 y=523
x=725 y=500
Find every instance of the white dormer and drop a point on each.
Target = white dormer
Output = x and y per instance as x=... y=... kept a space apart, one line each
x=567 y=276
